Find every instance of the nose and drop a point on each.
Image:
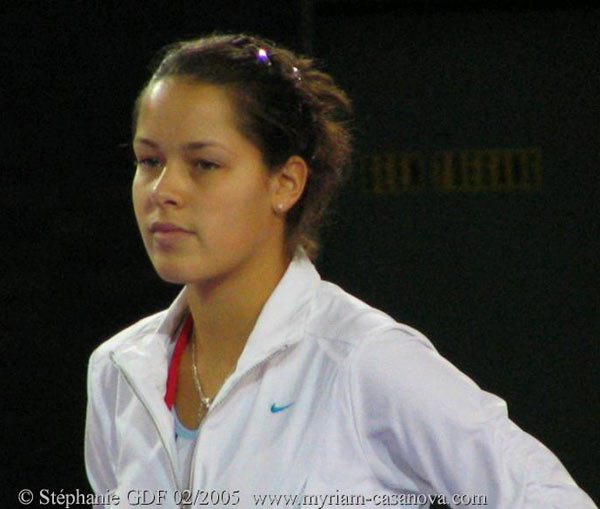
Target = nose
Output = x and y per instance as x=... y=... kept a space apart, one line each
x=169 y=187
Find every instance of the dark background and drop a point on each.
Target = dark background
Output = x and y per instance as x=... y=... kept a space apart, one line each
x=504 y=282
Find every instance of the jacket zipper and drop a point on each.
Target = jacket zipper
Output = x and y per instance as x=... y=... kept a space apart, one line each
x=220 y=403
x=133 y=387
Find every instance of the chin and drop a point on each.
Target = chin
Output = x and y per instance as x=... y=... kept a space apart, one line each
x=173 y=274
x=171 y=277
x=183 y=275
x=196 y=270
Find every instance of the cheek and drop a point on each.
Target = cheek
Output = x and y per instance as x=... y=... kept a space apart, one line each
x=245 y=213
x=139 y=201
x=138 y=196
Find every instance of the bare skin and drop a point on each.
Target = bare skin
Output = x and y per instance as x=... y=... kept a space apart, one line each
x=198 y=172
x=223 y=320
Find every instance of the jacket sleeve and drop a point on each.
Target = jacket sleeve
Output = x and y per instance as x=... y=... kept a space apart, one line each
x=99 y=428
x=415 y=412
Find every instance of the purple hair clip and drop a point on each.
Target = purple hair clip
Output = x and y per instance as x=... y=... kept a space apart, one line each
x=262 y=55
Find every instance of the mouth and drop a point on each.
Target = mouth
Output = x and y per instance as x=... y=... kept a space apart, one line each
x=167 y=228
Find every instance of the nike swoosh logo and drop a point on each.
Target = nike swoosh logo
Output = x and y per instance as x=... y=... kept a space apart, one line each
x=275 y=408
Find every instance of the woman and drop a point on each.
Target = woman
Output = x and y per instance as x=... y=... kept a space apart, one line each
x=262 y=381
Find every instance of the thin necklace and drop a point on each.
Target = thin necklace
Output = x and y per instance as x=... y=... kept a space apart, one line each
x=204 y=400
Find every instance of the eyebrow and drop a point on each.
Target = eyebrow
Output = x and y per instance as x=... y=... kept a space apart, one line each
x=193 y=145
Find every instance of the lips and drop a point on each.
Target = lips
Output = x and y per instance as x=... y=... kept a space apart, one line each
x=158 y=227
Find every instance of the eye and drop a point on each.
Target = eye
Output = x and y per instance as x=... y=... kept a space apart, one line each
x=147 y=163
x=205 y=164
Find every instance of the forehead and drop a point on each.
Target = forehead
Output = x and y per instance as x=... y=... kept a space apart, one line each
x=179 y=106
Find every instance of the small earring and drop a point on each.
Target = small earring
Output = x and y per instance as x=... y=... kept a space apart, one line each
x=279 y=207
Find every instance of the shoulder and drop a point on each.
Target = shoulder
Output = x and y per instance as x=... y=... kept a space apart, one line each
x=385 y=358
x=133 y=334
x=394 y=365
x=339 y=317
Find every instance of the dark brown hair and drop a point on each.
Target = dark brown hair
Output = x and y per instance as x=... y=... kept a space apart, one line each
x=286 y=107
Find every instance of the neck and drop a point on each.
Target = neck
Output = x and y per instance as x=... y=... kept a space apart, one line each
x=226 y=311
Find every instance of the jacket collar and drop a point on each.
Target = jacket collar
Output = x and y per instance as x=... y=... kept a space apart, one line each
x=143 y=358
x=279 y=324
x=281 y=320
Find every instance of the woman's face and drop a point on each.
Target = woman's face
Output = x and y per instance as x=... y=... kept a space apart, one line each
x=202 y=195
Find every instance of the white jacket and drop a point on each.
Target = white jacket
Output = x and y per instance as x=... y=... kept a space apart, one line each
x=375 y=412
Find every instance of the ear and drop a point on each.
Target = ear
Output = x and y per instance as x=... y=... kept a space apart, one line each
x=288 y=183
